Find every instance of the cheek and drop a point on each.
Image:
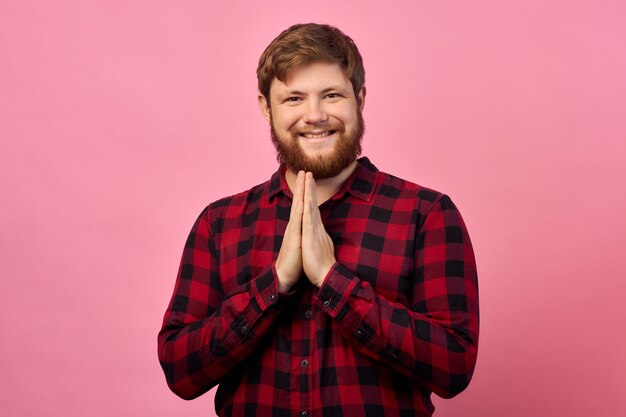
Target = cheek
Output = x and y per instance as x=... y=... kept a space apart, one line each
x=285 y=120
x=349 y=117
x=347 y=114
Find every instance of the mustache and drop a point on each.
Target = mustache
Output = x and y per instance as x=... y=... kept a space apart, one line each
x=335 y=127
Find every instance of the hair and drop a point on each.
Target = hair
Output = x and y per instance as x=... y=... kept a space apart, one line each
x=303 y=44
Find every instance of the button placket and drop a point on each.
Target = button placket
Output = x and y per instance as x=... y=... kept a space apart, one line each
x=304 y=357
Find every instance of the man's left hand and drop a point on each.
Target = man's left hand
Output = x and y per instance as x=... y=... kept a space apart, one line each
x=318 y=250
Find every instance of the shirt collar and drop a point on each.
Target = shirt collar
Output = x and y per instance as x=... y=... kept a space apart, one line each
x=361 y=184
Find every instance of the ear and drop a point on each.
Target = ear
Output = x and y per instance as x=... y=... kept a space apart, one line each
x=264 y=105
x=361 y=97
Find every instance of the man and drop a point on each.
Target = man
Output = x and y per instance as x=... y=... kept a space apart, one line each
x=333 y=289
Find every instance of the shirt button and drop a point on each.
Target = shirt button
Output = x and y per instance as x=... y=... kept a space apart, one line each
x=272 y=297
x=358 y=332
x=308 y=314
x=304 y=414
x=304 y=363
x=326 y=303
x=244 y=329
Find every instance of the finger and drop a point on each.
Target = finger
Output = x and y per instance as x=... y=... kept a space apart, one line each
x=312 y=193
x=298 y=197
x=309 y=199
x=300 y=181
x=314 y=215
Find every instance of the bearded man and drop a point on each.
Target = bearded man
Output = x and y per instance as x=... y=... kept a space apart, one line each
x=333 y=289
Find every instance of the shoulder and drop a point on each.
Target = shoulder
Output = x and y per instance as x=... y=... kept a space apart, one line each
x=233 y=207
x=235 y=201
x=418 y=202
x=420 y=197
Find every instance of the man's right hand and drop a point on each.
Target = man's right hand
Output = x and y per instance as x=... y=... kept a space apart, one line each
x=289 y=261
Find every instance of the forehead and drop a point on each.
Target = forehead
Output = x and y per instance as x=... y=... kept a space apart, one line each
x=316 y=76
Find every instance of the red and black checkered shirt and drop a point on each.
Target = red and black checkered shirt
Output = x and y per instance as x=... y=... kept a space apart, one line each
x=395 y=319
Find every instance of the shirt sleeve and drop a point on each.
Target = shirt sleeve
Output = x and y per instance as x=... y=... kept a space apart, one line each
x=435 y=340
x=204 y=330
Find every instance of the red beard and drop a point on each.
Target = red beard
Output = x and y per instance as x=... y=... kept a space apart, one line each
x=346 y=150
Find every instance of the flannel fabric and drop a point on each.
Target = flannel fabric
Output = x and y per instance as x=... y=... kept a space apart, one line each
x=395 y=319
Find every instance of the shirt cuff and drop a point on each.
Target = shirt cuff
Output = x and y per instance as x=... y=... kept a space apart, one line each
x=336 y=290
x=264 y=302
x=333 y=298
x=264 y=289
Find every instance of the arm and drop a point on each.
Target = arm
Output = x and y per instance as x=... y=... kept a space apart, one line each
x=203 y=332
x=435 y=341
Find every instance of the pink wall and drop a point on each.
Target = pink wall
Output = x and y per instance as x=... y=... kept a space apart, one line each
x=120 y=120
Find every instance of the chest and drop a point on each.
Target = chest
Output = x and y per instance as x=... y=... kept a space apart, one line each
x=375 y=242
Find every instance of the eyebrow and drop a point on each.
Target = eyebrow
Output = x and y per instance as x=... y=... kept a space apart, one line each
x=324 y=91
x=335 y=88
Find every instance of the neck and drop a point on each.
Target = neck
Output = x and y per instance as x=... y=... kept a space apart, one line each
x=327 y=187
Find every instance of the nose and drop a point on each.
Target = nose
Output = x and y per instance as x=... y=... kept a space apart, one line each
x=315 y=112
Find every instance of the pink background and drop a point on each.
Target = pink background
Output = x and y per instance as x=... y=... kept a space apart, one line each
x=121 y=120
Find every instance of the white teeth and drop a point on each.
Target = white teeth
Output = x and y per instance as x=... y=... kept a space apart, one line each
x=316 y=136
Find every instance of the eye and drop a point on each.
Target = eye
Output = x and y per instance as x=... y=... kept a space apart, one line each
x=293 y=99
x=333 y=95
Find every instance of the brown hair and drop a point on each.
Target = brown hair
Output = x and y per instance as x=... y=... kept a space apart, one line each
x=307 y=43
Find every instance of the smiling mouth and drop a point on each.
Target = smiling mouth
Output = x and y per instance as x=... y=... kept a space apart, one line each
x=313 y=135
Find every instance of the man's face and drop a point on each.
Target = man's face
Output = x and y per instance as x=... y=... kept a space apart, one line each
x=315 y=119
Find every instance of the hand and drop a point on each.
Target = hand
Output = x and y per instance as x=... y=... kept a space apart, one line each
x=318 y=250
x=289 y=260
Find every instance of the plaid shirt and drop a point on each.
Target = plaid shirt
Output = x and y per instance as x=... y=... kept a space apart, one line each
x=395 y=319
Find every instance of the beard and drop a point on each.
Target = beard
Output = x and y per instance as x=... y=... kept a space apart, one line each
x=346 y=149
